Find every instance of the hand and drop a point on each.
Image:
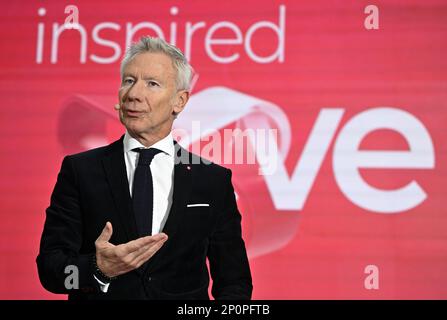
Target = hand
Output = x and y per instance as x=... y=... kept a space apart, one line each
x=116 y=260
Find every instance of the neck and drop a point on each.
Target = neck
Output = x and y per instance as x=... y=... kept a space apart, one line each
x=146 y=139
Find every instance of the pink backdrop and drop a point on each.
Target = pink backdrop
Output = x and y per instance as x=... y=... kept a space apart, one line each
x=307 y=68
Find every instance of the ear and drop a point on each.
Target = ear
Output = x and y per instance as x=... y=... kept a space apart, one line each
x=180 y=101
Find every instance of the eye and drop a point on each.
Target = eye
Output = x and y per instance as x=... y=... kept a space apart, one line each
x=128 y=81
x=152 y=83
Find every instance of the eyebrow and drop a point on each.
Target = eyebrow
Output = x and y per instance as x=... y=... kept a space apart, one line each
x=125 y=75
x=128 y=75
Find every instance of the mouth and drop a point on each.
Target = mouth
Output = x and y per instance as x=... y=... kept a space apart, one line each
x=133 y=113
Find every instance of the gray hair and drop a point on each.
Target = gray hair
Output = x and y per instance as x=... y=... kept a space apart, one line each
x=157 y=45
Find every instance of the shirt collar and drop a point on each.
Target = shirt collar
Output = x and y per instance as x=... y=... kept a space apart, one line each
x=166 y=144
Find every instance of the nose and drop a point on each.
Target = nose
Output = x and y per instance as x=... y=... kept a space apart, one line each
x=135 y=92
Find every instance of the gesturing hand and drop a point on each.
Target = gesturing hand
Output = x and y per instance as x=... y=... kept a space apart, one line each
x=116 y=260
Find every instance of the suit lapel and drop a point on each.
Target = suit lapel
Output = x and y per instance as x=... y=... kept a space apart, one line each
x=115 y=170
x=182 y=188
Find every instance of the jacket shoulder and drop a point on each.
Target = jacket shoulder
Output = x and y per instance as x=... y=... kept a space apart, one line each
x=96 y=153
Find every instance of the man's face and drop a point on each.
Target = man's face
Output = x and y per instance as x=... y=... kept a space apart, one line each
x=148 y=95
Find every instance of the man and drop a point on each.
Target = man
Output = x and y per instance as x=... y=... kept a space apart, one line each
x=138 y=218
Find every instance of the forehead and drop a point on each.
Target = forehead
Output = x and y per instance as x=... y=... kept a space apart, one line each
x=149 y=64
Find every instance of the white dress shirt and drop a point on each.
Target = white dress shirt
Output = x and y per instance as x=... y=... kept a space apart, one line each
x=162 y=169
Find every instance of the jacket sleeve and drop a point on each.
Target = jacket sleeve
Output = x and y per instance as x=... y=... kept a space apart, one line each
x=227 y=254
x=61 y=266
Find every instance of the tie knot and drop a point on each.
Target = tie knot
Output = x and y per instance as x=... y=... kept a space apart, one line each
x=146 y=155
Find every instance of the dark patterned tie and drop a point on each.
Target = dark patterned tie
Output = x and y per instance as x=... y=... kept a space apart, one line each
x=143 y=191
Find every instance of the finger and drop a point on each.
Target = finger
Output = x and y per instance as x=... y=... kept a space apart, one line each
x=149 y=253
x=134 y=245
x=106 y=233
x=145 y=256
x=130 y=261
x=160 y=236
x=137 y=253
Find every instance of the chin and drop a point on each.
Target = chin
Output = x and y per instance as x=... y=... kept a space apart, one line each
x=132 y=125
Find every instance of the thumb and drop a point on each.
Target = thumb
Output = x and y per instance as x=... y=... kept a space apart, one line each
x=106 y=233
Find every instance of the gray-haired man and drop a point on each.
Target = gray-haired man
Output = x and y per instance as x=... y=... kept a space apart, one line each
x=138 y=218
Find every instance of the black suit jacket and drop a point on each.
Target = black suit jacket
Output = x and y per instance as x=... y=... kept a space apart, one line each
x=92 y=188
